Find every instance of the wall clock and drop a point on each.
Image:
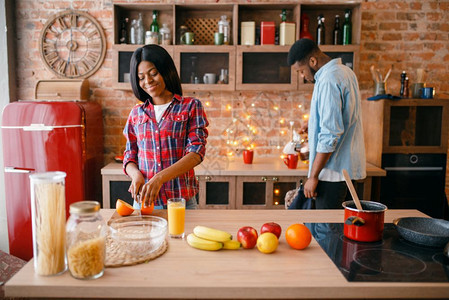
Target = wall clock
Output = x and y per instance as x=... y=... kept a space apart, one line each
x=72 y=44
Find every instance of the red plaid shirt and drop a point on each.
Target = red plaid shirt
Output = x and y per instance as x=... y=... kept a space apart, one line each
x=154 y=147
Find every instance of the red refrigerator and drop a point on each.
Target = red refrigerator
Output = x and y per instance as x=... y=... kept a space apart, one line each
x=41 y=136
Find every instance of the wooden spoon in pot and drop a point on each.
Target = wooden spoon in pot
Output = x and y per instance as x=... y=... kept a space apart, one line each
x=352 y=190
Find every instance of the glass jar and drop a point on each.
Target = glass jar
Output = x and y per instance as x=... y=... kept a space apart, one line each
x=151 y=38
x=48 y=221
x=86 y=240
x=165 y=35
x=182 y=31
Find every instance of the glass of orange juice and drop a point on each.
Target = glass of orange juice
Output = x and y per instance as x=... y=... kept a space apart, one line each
x=176 y=210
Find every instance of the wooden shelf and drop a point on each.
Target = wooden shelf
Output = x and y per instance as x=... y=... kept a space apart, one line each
x=177 y=14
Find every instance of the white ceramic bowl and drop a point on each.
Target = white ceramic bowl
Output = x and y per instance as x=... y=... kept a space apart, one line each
x=137 y=235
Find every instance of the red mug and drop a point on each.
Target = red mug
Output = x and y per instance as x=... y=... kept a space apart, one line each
x=248 y=156
x=291 y=161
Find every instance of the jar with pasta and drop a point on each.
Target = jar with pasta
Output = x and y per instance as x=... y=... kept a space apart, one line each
x=48 y=222
x=86 y=240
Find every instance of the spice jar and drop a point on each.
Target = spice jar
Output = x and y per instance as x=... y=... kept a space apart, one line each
x=86 y=240
x=48 y=216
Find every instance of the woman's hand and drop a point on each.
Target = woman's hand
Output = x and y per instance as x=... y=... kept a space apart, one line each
x=137 y=181
x=150 y=190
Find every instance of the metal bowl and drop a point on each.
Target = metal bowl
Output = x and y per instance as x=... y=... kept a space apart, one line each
x=424 y=231
x=139 y=235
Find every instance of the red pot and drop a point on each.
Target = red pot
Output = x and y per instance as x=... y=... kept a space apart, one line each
x=366 y=225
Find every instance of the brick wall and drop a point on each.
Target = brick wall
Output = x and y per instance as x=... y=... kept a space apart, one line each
x=406 y=34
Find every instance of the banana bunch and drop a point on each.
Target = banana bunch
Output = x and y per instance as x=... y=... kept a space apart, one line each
x=206 y=238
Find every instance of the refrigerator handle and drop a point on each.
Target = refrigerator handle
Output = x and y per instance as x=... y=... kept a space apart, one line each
x=18 y=170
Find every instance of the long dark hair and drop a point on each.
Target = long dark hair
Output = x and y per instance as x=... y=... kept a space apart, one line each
x=163 y=63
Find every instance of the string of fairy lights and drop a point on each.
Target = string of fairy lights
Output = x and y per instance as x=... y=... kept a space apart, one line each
x=255 y=119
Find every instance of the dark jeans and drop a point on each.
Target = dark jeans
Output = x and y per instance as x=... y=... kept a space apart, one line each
x=330 y=195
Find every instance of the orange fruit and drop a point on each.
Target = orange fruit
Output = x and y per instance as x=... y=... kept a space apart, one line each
x=123 y=208
x=147 y=210
x=298 y=236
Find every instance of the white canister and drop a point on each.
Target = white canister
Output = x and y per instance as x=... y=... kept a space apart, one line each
x=287 y=33
x=248 y=33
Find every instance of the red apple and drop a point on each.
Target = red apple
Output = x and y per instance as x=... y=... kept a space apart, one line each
x=247 y=236
x=272 y=227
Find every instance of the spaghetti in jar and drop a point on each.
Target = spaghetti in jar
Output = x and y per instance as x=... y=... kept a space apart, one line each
x=48 y=222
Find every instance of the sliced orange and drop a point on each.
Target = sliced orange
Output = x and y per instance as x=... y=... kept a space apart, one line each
x=123 y=208
x=147 y=210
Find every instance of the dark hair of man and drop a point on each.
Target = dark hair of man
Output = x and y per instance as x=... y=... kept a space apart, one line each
x=301 y=51
x=164 y=65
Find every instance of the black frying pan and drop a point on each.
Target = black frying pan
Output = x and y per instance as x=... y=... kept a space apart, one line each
x=424 y=231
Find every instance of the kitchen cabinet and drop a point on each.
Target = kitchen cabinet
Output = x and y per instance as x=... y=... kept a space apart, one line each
x=231 y=184
x=255 y=67
x=245 y=192
x=409 y=138
x=217 y=192
x=405 y=126
x=193 y=63
x=264 y=192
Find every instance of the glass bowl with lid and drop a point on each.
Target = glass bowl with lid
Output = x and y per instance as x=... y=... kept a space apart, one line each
x=138 y=235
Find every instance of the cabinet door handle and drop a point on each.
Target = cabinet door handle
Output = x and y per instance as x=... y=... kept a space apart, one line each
x=264 y=178
x=275 y=179
x=207 y=178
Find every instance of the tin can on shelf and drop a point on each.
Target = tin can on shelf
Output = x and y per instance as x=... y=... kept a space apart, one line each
x=248 y=33
x=267 y=33
x=287 y=33
x=86 y=240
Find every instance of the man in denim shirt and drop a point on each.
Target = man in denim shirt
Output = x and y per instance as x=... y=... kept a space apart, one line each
x=335 y=124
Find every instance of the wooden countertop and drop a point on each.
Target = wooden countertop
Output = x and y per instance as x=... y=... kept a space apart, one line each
x=184 y=272
x=261 y=166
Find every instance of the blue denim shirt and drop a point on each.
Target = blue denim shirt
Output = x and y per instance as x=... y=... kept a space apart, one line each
x=335 y=123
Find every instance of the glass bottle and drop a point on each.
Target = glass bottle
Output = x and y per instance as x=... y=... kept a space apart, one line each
x=305 y=33
x=193 y=76
x=406 y=88
x=223 y=27
x=86 y=240
x=48 y=221
x=132 y=32
x=403 y=76
x=139 y=30
x=337 y=31
x=347 y=28
x=320 y=31
x=154 y=25
x=284 y=15
x=124 y=31
x=165 y=35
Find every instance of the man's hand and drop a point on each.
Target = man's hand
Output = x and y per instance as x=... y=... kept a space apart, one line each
x=310 y=188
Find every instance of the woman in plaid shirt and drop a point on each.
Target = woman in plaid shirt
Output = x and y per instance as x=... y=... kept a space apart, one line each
x=166 y=134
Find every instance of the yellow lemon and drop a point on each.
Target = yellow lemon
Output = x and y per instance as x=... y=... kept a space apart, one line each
x=267 y=242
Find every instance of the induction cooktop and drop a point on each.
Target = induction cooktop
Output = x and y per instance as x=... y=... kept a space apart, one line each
x=393 y=259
